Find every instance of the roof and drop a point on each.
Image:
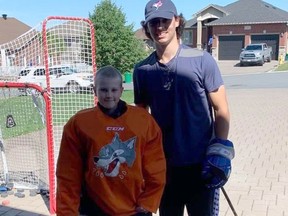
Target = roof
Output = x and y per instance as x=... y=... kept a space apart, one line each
x=11 y=28
x=246 y=12
x=193 y=21
x=220 y=8
x=140 y=34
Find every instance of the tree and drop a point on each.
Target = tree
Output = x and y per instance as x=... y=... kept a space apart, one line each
x=116 y=43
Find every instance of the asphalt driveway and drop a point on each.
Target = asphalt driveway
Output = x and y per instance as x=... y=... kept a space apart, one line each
x=233 y=67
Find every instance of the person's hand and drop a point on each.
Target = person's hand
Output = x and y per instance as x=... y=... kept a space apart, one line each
x=217 y=164
x=140 y=209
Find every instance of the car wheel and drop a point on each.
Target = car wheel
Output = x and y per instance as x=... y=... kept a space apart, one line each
x=261 y=62
x=73 y=87
x=269 y=59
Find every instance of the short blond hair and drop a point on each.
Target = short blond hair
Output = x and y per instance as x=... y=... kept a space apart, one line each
x=109 y=72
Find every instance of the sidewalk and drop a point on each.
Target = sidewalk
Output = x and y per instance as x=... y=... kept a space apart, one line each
x=259 y=129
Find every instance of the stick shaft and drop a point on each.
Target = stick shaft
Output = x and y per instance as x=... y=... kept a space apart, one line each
x=229 y=201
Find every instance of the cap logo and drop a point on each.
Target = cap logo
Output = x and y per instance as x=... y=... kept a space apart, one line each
x=157 y=4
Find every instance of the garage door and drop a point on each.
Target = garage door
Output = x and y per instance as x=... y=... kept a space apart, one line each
x=271 y=40
x=230 y=47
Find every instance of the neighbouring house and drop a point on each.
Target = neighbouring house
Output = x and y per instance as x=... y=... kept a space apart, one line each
x=11 y=28
x=66 y=41
x=140 y=34
x=235 y=25
x=230 y=28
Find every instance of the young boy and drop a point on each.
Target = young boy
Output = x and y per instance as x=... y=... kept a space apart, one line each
x=111 y=154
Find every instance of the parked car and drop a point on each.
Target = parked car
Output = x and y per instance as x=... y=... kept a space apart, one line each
x=255 y=54
x=62 y=78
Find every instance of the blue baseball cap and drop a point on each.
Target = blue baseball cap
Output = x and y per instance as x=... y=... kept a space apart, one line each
x=159 y=9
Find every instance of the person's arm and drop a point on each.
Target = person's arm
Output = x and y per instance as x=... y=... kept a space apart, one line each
x=221 y=112
x=69 y=174
x=216 y=167
x=154 y=169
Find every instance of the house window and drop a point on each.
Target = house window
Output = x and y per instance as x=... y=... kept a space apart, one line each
x=187 y=37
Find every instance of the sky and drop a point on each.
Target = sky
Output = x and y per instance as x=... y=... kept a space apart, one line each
x=33 y=12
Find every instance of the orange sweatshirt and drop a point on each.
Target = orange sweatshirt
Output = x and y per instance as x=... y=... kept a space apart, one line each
x=121 y=160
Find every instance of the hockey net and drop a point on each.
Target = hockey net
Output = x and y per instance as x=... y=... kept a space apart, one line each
x=46 y=76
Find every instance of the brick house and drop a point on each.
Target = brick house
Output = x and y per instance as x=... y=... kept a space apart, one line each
x=235 y=25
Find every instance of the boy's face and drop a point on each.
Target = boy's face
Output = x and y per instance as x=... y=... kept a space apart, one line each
x=108 y=91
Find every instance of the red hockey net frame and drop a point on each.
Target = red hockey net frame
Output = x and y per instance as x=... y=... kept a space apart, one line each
x=54 y=125
x=50 y=136
x=47 y=144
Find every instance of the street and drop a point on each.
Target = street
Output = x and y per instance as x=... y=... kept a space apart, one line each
x=257 y=80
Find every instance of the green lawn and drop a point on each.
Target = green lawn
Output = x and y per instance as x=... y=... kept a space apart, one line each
x=282 y=67
x=128 y=96
x=60 y=103
x=22 y=114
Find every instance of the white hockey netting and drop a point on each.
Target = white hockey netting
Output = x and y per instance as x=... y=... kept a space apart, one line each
x=53 y=66
x=23 y=140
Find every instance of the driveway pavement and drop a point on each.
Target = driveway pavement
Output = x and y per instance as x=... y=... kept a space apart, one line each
x=258 y=185
x=233 y=68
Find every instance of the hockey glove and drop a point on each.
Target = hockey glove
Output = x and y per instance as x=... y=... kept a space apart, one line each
x=217 y=164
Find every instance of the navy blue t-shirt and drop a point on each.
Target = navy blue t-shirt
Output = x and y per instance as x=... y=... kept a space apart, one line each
x=176 y=93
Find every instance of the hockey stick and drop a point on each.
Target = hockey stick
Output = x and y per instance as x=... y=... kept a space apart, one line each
x=36 y=105
x=3 y=156
x=229 y=201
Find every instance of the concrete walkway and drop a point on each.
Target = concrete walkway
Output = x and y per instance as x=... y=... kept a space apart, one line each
x=258 y=185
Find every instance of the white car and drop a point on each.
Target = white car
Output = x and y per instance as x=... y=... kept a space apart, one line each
x=62 y=78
